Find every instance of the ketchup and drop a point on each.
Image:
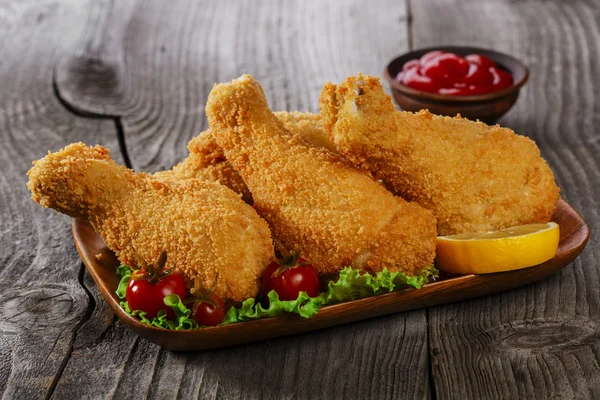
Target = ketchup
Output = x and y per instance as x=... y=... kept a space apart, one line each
x=450 y=74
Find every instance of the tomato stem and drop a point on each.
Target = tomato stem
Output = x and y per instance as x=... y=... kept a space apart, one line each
x=200 y=295
x=153 y=273
x=290 y=259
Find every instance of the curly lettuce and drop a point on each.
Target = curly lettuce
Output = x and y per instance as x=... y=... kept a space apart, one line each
x=350 y=285
x=182 y=313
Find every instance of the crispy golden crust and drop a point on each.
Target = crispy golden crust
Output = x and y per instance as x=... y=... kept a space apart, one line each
x=312 y=200
x=204 y=227
x=307 y=126
x=474 y=177
x=207 y=160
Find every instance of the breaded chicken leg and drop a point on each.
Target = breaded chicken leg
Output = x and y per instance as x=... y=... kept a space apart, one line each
x=314 y=202
x=474 y=177
x=307 y=126
x=207 y=161
x=204 y=227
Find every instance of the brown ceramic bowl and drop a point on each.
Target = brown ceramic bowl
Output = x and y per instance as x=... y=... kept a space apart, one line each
x=487 y=107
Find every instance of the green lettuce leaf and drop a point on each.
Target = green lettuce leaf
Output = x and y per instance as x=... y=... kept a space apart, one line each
x=304 y=306
x=182 y=315
x=350 y=285
x=124 y=272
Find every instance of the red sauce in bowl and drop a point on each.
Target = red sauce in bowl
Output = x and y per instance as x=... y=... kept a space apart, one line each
x=451 y=74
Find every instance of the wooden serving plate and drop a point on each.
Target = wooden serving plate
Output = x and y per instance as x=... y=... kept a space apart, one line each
x=574 y=234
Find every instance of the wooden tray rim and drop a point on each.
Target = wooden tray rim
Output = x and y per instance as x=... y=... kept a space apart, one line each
x=337 y=314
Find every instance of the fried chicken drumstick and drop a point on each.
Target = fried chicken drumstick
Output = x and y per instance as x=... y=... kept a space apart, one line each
x=204 y=227
x=207 y=160
x=313 y=201
x=474 y=177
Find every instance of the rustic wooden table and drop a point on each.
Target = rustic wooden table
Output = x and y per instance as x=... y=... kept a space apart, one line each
x=134 y=76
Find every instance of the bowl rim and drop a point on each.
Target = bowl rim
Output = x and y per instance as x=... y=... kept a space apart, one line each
x=515 y=87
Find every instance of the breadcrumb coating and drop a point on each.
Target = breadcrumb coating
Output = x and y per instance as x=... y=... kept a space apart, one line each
x=205 y=228
x=307 y=126
x=313 y=201
x=474 y=177
x=206 y=159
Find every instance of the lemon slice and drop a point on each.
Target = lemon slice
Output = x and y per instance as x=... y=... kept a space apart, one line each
x=505 y=250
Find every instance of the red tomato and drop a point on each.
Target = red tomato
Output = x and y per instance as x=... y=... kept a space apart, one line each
x=149 y=297
x=480 y=60
x=268 y=282
x=446 y=66
x=413 y=79
x=291 y=281
x=208 y=314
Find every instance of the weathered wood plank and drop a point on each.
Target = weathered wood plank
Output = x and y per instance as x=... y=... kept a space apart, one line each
x=366 y=359
x=541 y=341
x=161 y=59
x=41 y=300
x=153 y=64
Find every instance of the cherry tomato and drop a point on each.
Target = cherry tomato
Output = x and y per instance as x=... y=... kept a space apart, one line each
x=480 y=60
x=210 y=314
x=446 y=66
x=143 y=295
x=412 y=78
x=291 y=281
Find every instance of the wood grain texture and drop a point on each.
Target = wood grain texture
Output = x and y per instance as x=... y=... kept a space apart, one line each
x=368 y=360
x=152 y=64
x=41 y=300
x=542 y=341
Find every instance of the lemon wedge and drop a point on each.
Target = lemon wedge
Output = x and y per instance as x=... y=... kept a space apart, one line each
x=505 y=250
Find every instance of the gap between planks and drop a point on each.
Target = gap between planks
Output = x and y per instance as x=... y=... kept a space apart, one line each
x=86 y=114
x=86 y=317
